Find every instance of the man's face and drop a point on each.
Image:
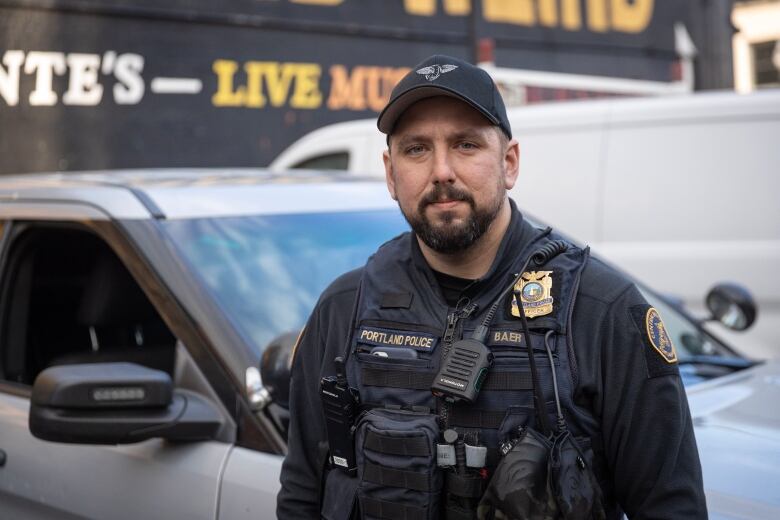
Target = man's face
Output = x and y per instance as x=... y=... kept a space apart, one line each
x=449 y=170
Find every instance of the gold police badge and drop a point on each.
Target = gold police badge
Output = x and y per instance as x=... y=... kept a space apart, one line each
x=534 y=290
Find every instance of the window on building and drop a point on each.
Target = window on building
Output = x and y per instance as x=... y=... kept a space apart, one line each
x=766 y=64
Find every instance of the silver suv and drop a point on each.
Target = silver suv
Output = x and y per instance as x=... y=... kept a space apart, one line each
x=146 y=320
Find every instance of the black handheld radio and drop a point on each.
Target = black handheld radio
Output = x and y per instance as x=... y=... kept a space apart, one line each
x=340 y=403
x=463 y=371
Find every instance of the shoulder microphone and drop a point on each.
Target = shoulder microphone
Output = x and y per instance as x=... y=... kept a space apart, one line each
x=547 y=252
x=463 y=371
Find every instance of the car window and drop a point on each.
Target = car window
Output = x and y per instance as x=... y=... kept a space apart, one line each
x=267 y=271
x=67 y=298
x=331 y=161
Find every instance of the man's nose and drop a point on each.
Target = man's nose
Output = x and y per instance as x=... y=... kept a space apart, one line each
x=443 y=170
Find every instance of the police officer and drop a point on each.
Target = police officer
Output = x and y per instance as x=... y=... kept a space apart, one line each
x=449 y=163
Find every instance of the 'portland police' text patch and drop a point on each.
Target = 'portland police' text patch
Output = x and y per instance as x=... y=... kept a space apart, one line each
x=395 y=338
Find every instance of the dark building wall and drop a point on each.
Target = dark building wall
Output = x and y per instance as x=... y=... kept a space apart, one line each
x=272 y=71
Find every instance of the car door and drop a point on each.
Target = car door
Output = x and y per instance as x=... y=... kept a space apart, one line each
x=66 y=296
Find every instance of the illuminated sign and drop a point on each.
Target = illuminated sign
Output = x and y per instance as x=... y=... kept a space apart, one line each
x=630 y=16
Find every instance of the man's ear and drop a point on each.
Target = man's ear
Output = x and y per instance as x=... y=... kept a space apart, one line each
x=389 y=173
x=511 y=164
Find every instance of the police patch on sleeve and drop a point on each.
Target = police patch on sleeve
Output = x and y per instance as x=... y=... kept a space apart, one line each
x=658 y=336
x=660 y=355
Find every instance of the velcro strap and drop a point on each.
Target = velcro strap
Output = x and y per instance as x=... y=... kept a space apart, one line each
x=508 y=381
x=423 y=380
x=454 y=512
x=416 y=446
x=468 y=486
x=475 y=418
x=375 y=508
x=397 y=378
x=395 y=477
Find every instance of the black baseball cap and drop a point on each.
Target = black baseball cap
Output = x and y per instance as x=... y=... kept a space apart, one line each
x=442 y=75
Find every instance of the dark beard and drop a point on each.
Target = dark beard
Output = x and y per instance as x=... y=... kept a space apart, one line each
x=448 y=238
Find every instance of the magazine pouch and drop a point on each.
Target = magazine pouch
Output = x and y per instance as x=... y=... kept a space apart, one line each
x=397 y=470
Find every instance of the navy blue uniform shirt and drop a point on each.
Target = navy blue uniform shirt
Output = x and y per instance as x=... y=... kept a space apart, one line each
x=649 y=446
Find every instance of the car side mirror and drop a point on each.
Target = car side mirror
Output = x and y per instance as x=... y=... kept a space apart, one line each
x=116 y=403
x=275 y=372
x=275 y=367
x=732 y=305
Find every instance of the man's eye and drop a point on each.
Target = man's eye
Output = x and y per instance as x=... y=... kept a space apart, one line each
x=415 y=149
x=467 y=145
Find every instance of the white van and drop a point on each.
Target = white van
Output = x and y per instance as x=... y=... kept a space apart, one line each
x=682 y=191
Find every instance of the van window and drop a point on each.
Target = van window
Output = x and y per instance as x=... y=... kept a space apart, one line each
x=331 y=161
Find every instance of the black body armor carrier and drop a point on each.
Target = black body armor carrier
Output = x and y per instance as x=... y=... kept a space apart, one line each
x=400 y=325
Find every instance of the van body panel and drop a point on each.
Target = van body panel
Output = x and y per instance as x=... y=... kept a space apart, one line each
x=681 y=191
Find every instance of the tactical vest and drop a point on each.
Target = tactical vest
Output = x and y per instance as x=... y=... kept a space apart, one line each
x=400 y=309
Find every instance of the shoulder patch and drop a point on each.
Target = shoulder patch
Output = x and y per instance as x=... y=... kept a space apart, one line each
x=659 y=338
x=660 y=355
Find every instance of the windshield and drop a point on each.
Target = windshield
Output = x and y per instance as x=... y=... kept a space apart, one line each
x=267 y=272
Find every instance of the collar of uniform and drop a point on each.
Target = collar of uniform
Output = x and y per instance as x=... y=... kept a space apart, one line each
x=518 y=232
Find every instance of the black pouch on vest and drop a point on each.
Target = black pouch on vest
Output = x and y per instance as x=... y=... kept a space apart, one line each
x=543 y=477
x=573 y=483
x=519 y=487
x=396 y=457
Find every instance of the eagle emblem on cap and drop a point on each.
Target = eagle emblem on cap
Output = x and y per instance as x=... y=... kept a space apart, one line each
x=434 y=71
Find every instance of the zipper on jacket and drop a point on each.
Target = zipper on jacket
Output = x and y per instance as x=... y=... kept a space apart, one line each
x=450 y=332
x=453 y=319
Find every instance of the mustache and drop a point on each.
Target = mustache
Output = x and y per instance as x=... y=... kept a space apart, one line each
x=444 y=192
